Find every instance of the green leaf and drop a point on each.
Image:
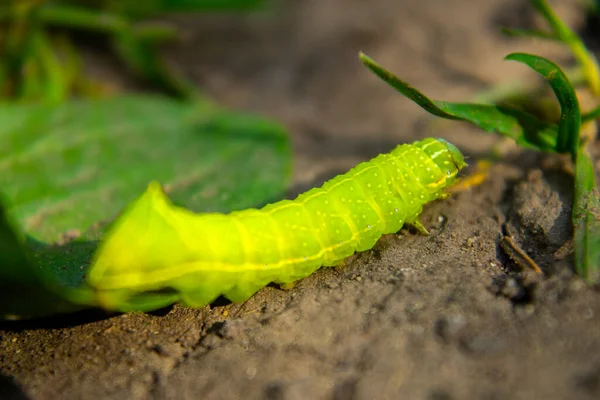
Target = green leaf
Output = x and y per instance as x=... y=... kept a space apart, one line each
x=79 y=17
x=524 y=128
x=570 y=116
x=66 y=167
x=591 y=115
x=25 y=290
x=142 y=58
x=134 y=7
x=585 y=58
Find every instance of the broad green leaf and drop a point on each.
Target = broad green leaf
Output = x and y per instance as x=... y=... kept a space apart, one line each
x=524 y=128
x=64 y=168
x=12 y=254
x=25 y=290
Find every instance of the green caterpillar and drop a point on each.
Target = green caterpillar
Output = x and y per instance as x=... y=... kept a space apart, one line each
x=157 y=253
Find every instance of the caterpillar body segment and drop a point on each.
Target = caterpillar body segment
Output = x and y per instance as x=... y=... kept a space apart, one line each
x=155 y=246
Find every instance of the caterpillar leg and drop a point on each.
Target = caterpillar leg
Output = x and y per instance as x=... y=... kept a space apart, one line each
x=286 y=285
x=342 y=264
x=445 y=195
x=418 y=226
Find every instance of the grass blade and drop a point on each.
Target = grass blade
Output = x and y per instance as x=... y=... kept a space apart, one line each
x=591 y=115
x=586 y=207
x=524 y=128
x=586 y=219
x=588 y=62
x=570 y=116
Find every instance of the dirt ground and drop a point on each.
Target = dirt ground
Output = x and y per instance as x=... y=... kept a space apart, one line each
x=445 y=316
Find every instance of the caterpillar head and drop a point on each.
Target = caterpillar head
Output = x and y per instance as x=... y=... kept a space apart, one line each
x=453 y=155
x=447 y=158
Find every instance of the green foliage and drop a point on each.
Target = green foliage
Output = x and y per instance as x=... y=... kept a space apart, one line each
x=66 y=170
x=37 y=65
x=529 y=131
x=526 y=129
x=68 y=167
x=137 y=8
x=570 y=119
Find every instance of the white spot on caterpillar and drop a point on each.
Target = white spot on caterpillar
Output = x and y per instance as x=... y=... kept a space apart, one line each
x=396 y=209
